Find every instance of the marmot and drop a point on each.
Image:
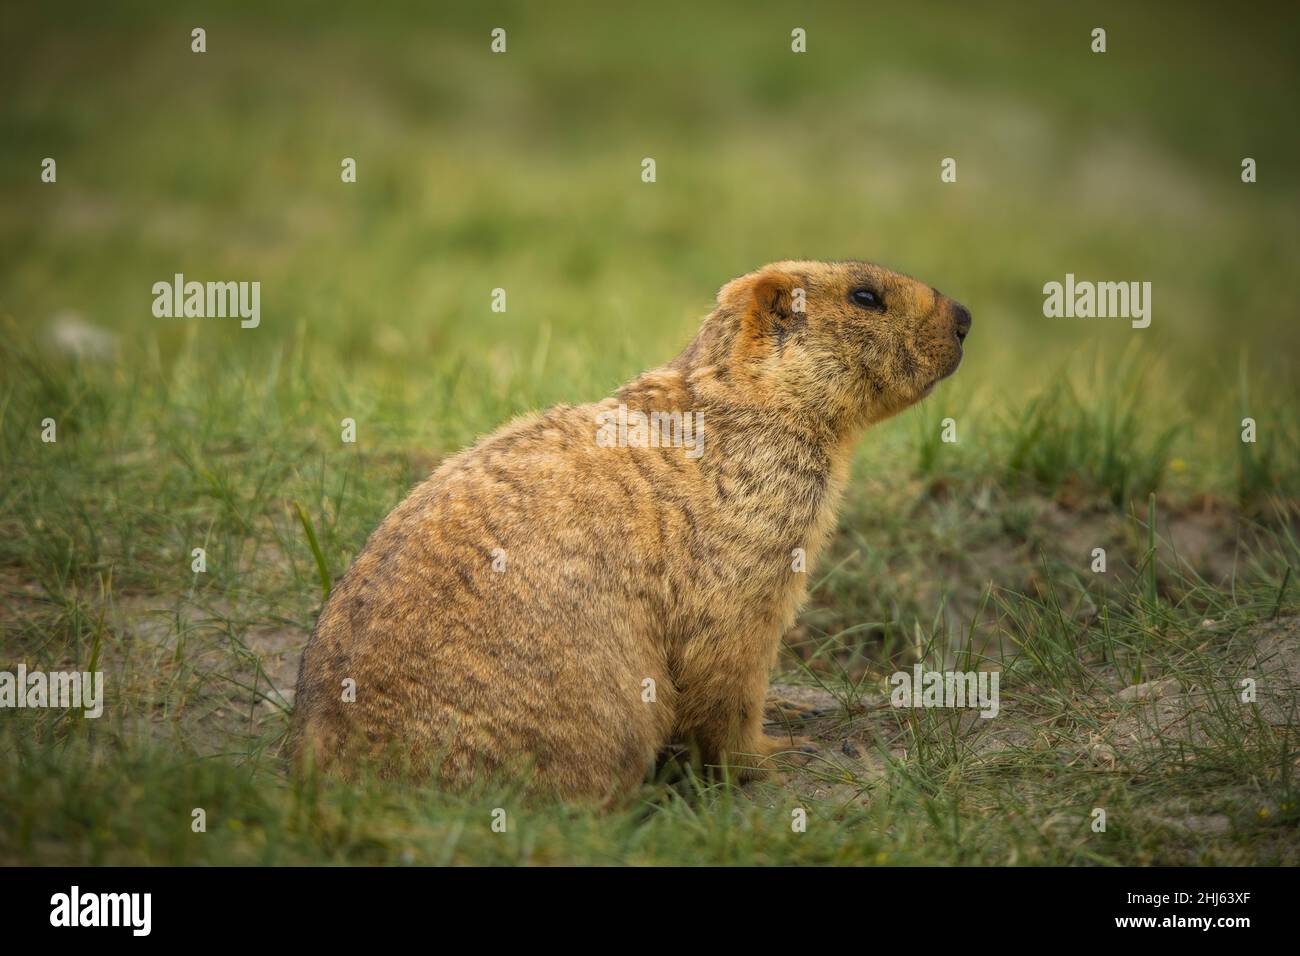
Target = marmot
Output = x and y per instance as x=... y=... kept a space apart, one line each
x=580 y=589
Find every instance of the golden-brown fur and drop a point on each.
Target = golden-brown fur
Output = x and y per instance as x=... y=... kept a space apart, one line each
x=621 y=563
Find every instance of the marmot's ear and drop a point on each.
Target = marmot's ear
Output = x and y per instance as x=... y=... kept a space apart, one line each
x=764 y=301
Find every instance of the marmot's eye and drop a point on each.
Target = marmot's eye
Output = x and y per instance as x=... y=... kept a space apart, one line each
x=867 y=299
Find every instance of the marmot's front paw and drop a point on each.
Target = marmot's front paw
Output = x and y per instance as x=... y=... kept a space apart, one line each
x=787 y=743
x=778 y=708
x=759 y=760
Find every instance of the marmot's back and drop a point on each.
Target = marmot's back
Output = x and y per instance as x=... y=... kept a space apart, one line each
x=485 y=631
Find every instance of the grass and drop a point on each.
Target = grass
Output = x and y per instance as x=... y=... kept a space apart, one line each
x=522 y=172
x=1022 y=791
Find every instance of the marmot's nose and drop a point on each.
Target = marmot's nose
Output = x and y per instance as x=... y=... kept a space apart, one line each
x=961 y=320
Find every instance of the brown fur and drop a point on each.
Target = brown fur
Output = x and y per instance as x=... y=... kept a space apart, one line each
x=622 y=563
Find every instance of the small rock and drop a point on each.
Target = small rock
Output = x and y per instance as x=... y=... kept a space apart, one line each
x=1151 y=690
x=1213 y=824
x=71 y=334
x=1103 y=753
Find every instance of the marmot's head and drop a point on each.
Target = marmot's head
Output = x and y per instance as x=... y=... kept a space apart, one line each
x=848 y=341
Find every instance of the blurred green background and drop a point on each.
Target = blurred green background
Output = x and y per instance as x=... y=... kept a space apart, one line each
x=522 y=171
